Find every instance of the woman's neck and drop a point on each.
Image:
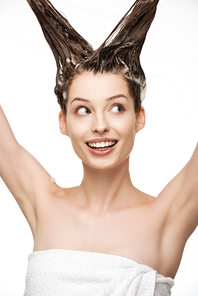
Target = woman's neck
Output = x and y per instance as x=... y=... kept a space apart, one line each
x=101 y=190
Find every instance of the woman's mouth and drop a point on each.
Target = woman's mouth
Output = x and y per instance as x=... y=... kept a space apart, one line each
x=101 y=146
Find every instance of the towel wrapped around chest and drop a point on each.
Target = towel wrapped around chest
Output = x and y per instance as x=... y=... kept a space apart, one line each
x=77 y=273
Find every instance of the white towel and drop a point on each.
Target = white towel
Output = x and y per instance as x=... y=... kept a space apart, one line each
x=74 y=273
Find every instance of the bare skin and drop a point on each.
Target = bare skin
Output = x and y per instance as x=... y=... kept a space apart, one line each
x=106 y=213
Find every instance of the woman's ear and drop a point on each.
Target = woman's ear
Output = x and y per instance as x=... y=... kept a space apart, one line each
x=140 y=120
x=62 y=123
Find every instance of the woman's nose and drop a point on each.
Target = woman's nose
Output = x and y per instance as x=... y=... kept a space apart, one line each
x=100 y=125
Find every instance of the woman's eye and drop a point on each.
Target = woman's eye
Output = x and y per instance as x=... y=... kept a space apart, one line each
x=117 y=109
x=83 y=111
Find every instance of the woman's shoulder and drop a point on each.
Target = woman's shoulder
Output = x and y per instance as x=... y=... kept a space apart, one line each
x=58 y=192
x=144 y=198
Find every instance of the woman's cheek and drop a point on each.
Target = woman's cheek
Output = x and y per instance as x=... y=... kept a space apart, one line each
x=125 y=125
x=75 y=127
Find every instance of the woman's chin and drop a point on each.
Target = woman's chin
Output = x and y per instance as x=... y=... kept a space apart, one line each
x=104 y=164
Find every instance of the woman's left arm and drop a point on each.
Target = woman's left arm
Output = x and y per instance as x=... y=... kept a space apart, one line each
x=177 y=209
x=180 y=199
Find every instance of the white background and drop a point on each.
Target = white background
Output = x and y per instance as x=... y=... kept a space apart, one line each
x=27 y=80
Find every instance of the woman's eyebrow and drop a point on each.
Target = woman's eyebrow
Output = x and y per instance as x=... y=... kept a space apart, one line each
x=108 y=99
x=80 y=99
x=116 y=96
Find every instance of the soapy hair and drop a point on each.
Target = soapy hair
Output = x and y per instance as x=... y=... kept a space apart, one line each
x=118 y=54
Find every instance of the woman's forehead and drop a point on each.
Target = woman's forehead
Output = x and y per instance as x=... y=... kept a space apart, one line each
x=89 y=84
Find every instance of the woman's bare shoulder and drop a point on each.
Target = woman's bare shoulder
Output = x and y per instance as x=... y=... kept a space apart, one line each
x=57 y=191
x=144 y=198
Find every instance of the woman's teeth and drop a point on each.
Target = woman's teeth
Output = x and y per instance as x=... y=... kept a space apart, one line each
x=101 y=145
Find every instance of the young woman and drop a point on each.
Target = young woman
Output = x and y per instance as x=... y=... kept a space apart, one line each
x=103 y=237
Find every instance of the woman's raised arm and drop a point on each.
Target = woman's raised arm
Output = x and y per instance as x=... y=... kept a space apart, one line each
x=180 y=199
x=23 y=175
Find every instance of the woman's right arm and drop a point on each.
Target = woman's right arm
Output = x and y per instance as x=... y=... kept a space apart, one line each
x=23 y=175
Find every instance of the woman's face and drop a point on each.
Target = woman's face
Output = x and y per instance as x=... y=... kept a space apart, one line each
x=101 y=122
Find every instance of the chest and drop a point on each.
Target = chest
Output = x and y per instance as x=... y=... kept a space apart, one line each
x=129 y=233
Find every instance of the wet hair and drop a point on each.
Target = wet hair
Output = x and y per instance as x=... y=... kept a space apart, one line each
x=118 y=54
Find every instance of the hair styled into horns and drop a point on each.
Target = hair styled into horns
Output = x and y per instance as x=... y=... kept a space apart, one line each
x=119 y=53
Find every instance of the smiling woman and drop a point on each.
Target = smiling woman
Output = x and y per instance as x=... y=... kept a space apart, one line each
x=95 y=117
x=103 y=237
